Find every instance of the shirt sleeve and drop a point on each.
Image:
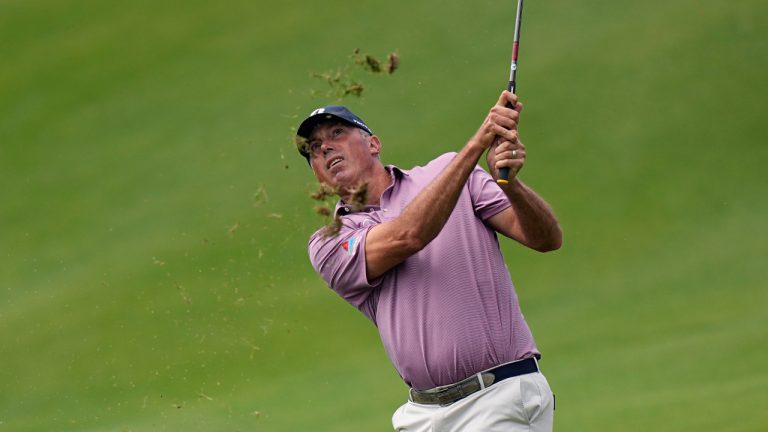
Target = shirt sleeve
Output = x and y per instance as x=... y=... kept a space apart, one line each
x=340 y=261
x=487 y=197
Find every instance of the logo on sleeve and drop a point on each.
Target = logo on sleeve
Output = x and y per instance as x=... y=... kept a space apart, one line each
x=349 y=245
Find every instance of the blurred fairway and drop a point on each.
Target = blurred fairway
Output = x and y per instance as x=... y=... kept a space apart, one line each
x=154 y=217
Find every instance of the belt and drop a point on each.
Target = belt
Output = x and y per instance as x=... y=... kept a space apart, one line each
x=446 y=395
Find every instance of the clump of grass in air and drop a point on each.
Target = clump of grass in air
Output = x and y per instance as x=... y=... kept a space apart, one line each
x=343 y=80
x=326 y=196
x=358 y=197
x=393 y=62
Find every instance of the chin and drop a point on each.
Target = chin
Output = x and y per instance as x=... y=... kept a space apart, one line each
x=340 y=179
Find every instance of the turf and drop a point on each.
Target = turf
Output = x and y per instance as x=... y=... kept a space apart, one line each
x=155 y=214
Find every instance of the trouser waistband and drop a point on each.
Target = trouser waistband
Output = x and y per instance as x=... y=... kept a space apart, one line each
x=451 y=393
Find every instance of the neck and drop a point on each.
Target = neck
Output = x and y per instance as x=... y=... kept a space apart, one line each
x=379 y=180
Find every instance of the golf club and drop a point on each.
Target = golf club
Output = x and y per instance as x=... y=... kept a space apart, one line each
x=504 y=172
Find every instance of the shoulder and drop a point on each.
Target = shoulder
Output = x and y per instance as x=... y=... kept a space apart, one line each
x=434 y=166
x=441 y=161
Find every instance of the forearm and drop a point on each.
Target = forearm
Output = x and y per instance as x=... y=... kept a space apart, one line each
x=390 y=243
x=536 y=222
x=426 y=215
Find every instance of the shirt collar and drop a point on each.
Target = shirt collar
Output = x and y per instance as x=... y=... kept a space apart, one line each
x=395 y=171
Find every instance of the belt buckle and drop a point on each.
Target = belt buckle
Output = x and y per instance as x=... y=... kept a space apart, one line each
x=487 y=379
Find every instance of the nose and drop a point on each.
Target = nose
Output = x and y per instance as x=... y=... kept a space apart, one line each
x=326 y=146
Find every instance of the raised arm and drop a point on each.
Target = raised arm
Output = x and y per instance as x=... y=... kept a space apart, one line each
x=390 y=243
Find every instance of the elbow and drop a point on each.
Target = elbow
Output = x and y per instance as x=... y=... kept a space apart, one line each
x=548 y=247
x=411 y=241
x=552 y=243
x=415 y=243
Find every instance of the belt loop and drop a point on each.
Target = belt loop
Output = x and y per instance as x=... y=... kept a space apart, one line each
x=479 y=376
x=535 y=360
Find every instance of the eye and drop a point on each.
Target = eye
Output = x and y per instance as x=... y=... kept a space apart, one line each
x=337 y=132
x=314 y=147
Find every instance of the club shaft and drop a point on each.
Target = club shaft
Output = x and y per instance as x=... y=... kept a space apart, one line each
x=515 y=47
x=512 y=87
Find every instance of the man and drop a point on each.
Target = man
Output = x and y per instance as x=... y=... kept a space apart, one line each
x=420 y=258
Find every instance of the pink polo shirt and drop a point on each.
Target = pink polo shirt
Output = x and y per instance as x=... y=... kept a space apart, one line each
x=446 y=312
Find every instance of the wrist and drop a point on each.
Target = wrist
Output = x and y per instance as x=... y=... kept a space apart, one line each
x=476 y=145
x=513 y=185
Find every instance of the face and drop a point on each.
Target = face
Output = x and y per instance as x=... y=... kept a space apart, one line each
x=341 y=155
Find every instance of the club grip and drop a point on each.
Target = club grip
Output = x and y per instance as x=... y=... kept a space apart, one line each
x=503 y=176
x=504 y=172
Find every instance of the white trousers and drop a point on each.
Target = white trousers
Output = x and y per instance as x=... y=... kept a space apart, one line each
x=521 y=403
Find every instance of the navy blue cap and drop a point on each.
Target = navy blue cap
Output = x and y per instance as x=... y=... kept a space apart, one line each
x=326 y=113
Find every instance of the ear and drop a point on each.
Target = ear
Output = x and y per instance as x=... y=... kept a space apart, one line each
x=374 y=145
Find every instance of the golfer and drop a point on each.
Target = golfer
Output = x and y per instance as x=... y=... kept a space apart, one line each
x=421 y=260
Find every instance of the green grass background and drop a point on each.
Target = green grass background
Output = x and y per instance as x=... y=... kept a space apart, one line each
x=154 y=216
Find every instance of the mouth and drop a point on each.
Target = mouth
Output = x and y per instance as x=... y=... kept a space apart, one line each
x=332 y=162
